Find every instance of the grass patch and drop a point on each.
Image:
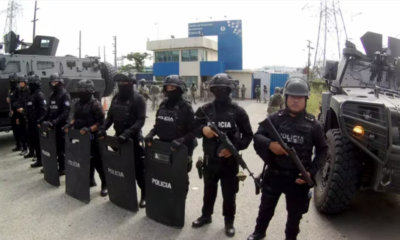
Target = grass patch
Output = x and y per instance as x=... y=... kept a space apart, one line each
x=314 y=101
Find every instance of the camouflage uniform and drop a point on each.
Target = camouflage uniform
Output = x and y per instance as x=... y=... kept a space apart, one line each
x=275 y=102
x=258 y=93
x=243 y=89
x=193 y=90
x=237 y=91
x=206 y=92
x=154 y=91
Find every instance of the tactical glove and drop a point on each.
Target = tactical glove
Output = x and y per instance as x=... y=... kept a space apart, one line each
x=124 y=137
x=177 y=143
x=101 y=133
x=49 y=125
x=67 y=126
x=85 y=129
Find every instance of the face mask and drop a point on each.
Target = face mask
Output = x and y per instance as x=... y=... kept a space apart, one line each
x=57 y=87
x=33 y=87
x=174 y=94
x=221 y=95
x=125 y=90
x=84 y=96
x=13 y=85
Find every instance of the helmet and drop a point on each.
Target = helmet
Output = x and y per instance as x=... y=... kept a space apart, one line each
x=277 y=89
x=175 y=80
x=13 y=77
x=22 y=78
x=154 y=81
x=34 y=79
x=56 y=77
x=86 y=85
x=221 y=80
x=124 y=77
x=142 y=81
x=296 y=87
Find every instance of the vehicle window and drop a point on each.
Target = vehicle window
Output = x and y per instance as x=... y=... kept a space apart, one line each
x=12 y=67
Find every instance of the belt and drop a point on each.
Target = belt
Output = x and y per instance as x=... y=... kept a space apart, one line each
x=286 y=173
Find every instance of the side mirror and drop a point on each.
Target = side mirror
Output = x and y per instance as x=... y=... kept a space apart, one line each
x=2 y=63
x=331 y=69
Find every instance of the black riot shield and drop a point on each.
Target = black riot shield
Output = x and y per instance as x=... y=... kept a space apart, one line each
x=166 y=183
x=49 y=155
x=119 y=167
x=77 y=165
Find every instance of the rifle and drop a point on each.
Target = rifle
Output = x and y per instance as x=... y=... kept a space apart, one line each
x=227 y=144
x=9 y=104
x=269 y=127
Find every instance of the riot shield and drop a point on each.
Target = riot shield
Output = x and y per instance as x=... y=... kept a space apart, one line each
x=49 y=155
x=119 y=167
x=77 y=165
x=166 y=183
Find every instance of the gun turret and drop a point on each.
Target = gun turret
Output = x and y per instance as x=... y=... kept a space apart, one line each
x=42 y=45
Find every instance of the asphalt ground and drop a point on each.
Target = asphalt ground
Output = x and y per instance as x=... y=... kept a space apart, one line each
x=32 y=209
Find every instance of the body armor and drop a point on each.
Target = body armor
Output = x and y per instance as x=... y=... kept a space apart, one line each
x=82 y=115
x=121 y=112
x=168 y=122
x=56 y=100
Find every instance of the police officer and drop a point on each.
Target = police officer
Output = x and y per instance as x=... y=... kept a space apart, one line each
x=35 y=110
x=219 y=163
x=20 y=107
x=154 y=91
x=301 y=131
x=128 y=114
x=275 y=102
x=258 y=93
x=12 y=99
x=243 y=89
x=88 y=118
x=57 y=116
x=179 y=131
x=143 y=90
x=193 y=90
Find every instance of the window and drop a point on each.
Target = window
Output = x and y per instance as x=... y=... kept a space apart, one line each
x=190 y=55
x=167 y=56
x=44 y=43
x=204 y=56
x=189 y=80
x=45 y=65
x=12 y=67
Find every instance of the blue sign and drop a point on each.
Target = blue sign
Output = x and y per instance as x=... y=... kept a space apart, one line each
x=229 y=27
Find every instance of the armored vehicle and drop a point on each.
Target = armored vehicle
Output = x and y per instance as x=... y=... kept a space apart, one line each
x=361 y=117
x=39 y=58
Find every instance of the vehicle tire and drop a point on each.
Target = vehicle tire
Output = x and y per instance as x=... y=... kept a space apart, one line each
x=338 y=180
x=107 y=73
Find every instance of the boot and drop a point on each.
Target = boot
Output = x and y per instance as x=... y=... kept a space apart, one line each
x=36 y=164
x=104 y=190
x=16 y=149
x=142 y=203
x=41 y=170
x=29 y=155
x=34 y=159
x=256 y=236
x=92 y=183
x=201 y=221
x=24 y=153
x=229 y=229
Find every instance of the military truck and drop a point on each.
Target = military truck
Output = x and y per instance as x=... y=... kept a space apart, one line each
x=361 y=117
x=39 y=58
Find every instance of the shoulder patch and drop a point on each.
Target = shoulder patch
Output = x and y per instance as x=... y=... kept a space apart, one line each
x=67 y=103
x=44 y=101
x=310 y=117
x=281 y=112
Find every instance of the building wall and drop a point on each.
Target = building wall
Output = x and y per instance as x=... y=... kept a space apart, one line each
x=212 y=55
x=182 y=43
x=244 y=78
x=265 y=79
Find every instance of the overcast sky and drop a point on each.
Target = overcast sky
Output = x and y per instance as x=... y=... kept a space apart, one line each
x=274 y=32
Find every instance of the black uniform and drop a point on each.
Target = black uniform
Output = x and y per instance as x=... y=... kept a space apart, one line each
x=57 y=115
x=23 y=97
x=301 y=132
x=175 y=119
x=128 y=113
x=13 y=96
x=234 y=121
x=35 y=110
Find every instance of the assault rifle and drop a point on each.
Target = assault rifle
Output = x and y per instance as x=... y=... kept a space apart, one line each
x=269 y=127
x=227 y=144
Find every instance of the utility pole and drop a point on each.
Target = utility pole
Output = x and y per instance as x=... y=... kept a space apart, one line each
x=104 y=53
x=99 y=51
x=34 y=21
x=80 y=46
x=309 y=59
x=115 y=51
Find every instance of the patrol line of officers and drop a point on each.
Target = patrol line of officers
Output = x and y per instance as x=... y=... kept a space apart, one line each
x=178 y=124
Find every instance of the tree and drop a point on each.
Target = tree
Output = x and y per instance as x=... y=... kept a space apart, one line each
x=126 y=68
x=139 y=59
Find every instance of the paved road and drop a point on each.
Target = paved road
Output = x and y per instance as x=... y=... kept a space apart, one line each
x=32 y=209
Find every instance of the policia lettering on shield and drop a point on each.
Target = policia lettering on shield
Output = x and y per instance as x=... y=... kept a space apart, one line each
x=175 y=118
x=219 y=163
x=299 y=130
x=88 y=118
x=57 y=116
x=128 y=114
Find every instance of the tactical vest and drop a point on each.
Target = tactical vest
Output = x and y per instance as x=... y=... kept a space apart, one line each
x=226 y=122
x=56 y=101
x=31 y=108
x=123 y=117
x=168 y=124
x=296 y=133
x=83 y=116
x=276 y=100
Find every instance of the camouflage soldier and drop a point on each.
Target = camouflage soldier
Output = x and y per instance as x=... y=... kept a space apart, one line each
x=143 y=90
x=154 y=91
x=243 y=89
x=201 y=91
x=206 y=92
x=193 y=90
x=275 y=102
x=258 y=93
x=237 y=91
x=265 y=93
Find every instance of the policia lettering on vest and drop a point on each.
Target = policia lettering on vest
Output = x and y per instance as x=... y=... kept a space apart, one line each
x=219 y=163
x=298 y=130
x=128 y=114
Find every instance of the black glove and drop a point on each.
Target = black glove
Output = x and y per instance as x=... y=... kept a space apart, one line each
x=85 y=129
x=177 y=143
x=101 y=133
x=49 y=125
x=67 y=126
x=124 y=137
x=148 y=139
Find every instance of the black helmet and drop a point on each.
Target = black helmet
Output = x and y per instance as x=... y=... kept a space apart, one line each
x=221 y=80
x=296 y=87
x=125 y=77
x=175 y=80
x=86 y=85
x=22 y=78
x=56 y=77
x=13 y=77
x=35 y=79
